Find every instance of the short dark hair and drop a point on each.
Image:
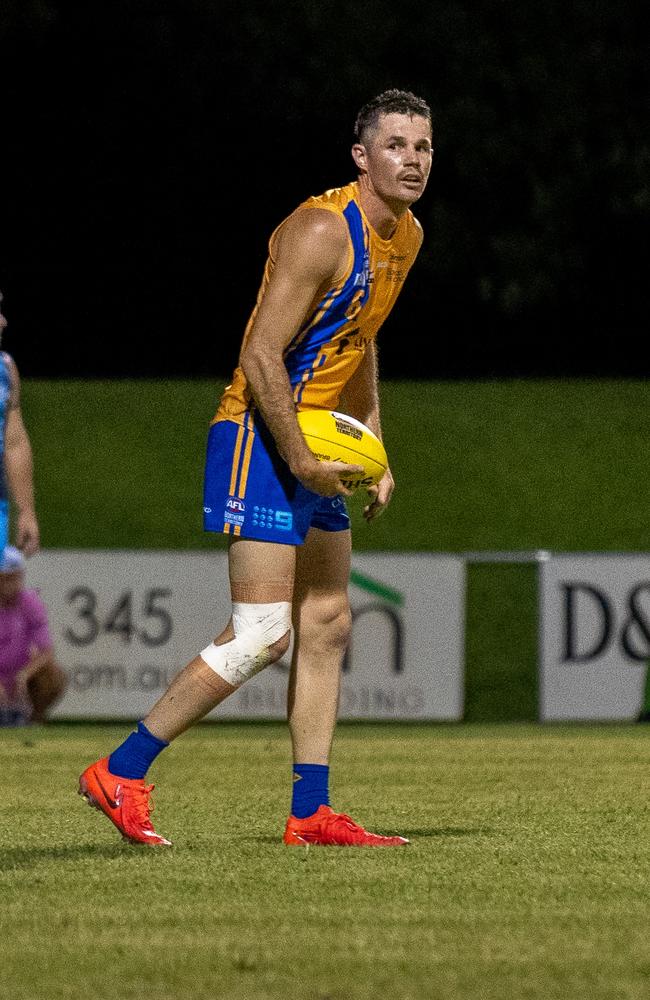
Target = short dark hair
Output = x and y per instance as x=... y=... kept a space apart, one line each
x=390 y=102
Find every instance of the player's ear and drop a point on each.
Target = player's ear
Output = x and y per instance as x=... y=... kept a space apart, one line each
x=359 y=156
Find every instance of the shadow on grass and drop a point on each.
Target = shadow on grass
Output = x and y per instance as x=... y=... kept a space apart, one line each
x=446 y=831
x=25 y=857
x=441 y=831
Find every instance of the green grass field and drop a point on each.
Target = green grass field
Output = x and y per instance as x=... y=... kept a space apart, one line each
x=527 y=875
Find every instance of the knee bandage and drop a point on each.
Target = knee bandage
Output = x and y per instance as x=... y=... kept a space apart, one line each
x=257 y=627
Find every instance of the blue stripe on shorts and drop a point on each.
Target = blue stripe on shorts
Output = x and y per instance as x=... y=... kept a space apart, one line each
x=249 y=491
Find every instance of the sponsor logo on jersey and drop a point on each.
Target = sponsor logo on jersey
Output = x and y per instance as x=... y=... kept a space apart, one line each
x=363 y=278
x=234 y=511
x=274 y=520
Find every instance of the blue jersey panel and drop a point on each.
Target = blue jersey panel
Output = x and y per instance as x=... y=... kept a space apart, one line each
x=4 y=524
x=302 y=353
x=249 y=491
x=5 y=392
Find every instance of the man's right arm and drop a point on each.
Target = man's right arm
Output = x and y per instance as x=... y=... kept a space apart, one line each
x=19 y=467
x=311 y=250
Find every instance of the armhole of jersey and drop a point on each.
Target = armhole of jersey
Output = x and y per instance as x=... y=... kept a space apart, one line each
x=8 y=363
x=343 y=272
x=341 y=277
x=414 y=237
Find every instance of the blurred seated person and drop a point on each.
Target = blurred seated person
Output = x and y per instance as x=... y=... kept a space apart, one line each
x=30 y=678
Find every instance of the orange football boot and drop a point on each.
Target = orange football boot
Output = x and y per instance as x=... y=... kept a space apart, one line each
x=329 y=829
x=124 y=800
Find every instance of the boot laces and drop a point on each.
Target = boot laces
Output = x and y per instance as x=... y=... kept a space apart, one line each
x=142 y=805
x=341 y=821
x=341 y=818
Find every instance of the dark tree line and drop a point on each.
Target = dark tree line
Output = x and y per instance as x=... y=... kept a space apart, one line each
x=148 y=149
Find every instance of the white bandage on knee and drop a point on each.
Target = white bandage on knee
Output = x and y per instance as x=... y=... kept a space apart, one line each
x=257 y=627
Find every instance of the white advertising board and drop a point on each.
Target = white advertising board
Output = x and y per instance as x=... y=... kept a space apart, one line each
x=125 y=622
x=594 y=636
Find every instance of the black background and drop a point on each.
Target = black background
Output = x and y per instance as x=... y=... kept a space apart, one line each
x=148 y=150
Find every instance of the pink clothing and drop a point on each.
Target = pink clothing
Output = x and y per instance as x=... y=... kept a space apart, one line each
x=23 y=628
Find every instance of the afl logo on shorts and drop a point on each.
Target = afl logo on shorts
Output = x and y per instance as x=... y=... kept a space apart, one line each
x=235 y=504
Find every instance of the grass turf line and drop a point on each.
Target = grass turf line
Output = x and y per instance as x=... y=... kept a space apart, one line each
x=527 y=876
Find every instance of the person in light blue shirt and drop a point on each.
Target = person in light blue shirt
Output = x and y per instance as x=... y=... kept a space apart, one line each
x=16 y=461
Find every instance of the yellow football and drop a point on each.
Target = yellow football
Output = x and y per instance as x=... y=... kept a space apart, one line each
x=335 y=437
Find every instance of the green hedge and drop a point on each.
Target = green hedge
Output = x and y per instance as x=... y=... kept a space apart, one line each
x=488 y=465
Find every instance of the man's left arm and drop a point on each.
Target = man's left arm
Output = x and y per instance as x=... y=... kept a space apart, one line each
x=19 y=467
x=360 y=399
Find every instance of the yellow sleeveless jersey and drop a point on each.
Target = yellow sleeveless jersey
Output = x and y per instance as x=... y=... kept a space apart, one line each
x=330 y=344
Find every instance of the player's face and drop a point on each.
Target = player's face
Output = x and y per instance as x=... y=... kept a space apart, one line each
x=396 y=157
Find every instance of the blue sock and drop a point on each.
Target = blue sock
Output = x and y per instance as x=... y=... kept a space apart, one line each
x=136 y=755
x=310 y=789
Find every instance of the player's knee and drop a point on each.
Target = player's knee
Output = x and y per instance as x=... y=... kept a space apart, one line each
x=279 y=648
x=340 y=627
x=62 y=682
x=261 y=635
x=48 y=684
x=327 y=623
x=55 y=689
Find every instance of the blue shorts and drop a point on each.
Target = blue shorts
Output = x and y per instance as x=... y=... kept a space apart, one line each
x=249 y=491
x=4 y=525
